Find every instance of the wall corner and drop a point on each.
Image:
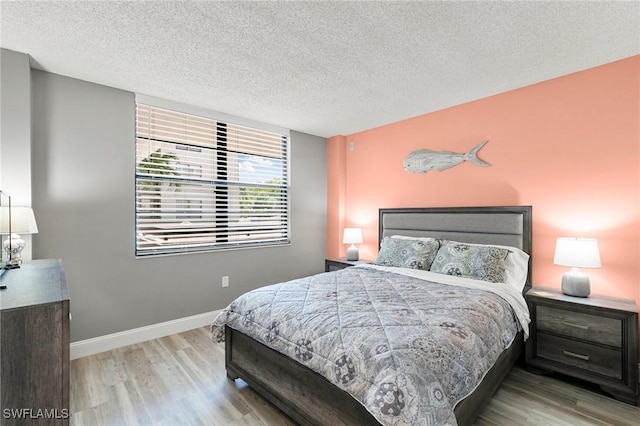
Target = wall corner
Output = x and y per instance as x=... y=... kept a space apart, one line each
x=336 y=194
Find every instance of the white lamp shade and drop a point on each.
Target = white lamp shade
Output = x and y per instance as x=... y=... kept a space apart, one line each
x=352 y=236
x=23 y=221
x=577 y=252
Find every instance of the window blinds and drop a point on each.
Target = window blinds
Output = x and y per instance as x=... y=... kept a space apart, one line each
x=204 y=184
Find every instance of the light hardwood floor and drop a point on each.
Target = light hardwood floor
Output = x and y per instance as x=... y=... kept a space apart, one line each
x=181 y=380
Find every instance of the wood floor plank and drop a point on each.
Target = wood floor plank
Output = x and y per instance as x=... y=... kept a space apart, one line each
x=181 y=380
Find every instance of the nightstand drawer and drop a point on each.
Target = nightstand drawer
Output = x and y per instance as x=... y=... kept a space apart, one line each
x=596 y=359
x=597 y=329
x=330 y=267
x=593 y=338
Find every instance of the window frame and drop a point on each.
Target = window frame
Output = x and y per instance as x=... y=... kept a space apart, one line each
x=219 y=190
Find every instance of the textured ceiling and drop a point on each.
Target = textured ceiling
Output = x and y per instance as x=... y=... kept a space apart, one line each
x=324 y=68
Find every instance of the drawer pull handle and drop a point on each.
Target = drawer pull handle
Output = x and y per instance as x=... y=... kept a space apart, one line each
x=575 y=355
x=580 y=326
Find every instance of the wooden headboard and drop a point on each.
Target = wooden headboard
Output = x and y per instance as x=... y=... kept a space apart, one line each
x=502 y=225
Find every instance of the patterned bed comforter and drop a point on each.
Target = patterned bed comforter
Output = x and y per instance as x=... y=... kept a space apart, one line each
x=407 y=349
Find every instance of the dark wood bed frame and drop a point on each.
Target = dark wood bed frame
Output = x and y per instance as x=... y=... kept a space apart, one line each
x=310 y=399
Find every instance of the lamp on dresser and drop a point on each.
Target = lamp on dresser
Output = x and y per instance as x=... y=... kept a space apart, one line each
x=577 y=253
x=352 y=236
x=13 y=222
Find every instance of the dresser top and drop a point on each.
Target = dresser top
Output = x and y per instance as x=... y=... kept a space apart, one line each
x=34 y=283
x=593 y=300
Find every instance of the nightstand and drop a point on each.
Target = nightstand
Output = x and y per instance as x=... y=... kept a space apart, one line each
x=594 y=339
x=336 y=263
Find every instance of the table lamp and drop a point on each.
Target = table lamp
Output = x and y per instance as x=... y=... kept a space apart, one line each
x=352 y=236
x=577 y=253
x=13 y=222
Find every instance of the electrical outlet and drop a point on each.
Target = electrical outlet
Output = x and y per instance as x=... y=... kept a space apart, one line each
x=225 y=281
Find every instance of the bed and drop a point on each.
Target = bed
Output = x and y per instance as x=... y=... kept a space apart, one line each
x=345 y=381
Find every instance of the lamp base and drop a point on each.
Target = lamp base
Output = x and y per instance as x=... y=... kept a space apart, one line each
x=576 y=283
x=352 y=253
x=13 y=246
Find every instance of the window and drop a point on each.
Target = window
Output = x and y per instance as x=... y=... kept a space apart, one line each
x=206 y=184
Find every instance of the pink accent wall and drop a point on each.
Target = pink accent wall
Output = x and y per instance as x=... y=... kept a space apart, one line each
x=568 y=146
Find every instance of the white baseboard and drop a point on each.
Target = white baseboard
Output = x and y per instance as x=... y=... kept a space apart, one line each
x=129 y=337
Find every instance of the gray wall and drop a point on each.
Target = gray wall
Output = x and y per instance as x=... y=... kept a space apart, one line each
x=83 y=198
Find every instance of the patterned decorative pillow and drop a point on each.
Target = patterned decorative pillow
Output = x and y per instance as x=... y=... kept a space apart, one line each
x=415 y=253
x=469 y=261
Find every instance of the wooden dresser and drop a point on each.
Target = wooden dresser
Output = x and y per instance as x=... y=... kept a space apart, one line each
x=34 y=338
x=594 y=339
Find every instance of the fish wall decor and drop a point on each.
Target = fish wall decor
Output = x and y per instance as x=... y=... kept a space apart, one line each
x=425 y=160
